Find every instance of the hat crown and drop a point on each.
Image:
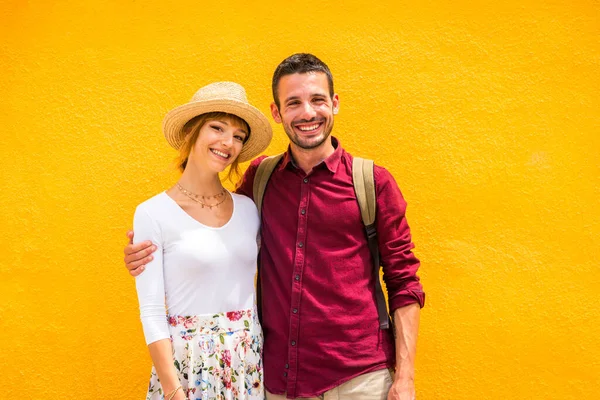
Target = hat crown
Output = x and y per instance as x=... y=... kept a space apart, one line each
x=221 y=91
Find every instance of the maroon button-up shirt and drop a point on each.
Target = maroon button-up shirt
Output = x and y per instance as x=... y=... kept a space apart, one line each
x=318 y=303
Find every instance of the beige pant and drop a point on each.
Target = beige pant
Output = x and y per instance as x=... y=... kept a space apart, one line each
x=371 y=386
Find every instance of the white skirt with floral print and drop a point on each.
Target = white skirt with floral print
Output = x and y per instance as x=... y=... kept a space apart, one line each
x=217 y=356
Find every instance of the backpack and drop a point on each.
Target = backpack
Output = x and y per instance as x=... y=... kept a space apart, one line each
x=364 y=187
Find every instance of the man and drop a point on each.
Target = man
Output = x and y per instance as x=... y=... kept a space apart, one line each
x=320 y=322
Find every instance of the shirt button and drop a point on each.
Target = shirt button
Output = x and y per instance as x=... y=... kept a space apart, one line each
x=303 y=211
x=287 y=366
x=293 y=342
x=295 y=311
x=285 y=374
x=305 y=180
x=297 y=277
x=300 y=244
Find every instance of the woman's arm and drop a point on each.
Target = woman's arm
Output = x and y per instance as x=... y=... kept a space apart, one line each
x=151 y=295
x=161 y=353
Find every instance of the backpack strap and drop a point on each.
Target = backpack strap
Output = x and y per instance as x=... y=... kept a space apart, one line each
x=261 y=179
x=364 y=187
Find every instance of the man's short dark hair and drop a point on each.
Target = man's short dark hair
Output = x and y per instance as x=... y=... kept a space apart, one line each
x=300 y=63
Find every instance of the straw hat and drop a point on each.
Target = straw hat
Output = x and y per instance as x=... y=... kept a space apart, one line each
x=226 y=97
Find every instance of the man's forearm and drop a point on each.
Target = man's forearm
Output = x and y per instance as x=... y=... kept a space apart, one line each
x=406 y=329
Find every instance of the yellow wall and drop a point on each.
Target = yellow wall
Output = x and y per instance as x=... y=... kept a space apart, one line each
x=486 y=112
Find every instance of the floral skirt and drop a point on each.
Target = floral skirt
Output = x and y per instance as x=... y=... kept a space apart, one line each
x=216 y=356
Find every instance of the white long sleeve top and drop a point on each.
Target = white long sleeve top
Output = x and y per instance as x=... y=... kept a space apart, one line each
x=196 y=269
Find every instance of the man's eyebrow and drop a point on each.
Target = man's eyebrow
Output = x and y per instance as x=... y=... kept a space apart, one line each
x=291 y=98
x=317 y=94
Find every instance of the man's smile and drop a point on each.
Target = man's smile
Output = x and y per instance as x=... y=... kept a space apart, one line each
x=310 y=127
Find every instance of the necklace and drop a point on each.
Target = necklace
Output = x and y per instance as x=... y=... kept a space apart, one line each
x=201 y=199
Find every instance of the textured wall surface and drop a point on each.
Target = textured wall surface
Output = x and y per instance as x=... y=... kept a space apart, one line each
x=486 y=112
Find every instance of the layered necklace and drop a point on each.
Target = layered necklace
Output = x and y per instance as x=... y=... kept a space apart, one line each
x=204 y=201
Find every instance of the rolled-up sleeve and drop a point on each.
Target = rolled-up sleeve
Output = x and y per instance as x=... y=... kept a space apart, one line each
x=150 y=284
x=399 y=263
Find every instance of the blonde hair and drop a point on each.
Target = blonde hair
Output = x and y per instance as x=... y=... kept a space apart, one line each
x=191 y=131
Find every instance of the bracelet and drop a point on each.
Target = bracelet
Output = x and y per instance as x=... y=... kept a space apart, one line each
x=172 y=394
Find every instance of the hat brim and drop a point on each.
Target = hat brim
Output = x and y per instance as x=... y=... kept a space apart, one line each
x=261 y=132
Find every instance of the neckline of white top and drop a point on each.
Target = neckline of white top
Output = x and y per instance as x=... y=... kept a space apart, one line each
x=177 y=206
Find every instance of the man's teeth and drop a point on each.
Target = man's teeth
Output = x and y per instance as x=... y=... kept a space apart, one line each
x=217 y=152
x=308 y=128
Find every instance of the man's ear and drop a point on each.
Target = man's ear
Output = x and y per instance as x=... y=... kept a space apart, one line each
x=275 y=113
x=336 y=103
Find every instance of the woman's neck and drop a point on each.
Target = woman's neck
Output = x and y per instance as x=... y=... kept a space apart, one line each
x=200 y=182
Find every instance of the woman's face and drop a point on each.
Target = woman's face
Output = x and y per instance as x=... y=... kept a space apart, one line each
x=219 y=143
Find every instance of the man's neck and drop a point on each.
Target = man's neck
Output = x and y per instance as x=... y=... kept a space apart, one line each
x=307 y=159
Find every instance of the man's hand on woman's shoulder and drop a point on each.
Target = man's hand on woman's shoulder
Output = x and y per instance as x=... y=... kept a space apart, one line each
x=138 y=255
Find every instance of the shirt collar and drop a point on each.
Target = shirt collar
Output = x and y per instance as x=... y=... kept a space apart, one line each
x=330 y=162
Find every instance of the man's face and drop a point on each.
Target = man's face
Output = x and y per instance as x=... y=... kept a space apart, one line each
x=306 y=109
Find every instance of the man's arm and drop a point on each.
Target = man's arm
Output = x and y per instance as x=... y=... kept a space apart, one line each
x=400 y=266
x=406 y=328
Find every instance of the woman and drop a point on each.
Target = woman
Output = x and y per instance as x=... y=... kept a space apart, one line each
x=197 y=300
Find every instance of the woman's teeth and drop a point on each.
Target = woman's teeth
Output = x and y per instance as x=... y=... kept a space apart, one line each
x=221 y=154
